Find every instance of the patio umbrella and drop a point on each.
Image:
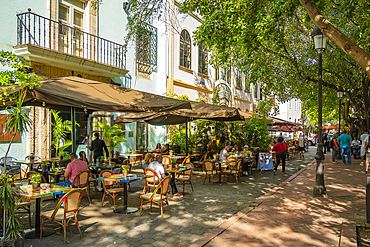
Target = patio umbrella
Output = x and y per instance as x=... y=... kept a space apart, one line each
x=78 y=94
x=198 y=111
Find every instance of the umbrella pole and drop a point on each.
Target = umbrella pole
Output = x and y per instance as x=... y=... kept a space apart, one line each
x=186 y=137
x=73 y=134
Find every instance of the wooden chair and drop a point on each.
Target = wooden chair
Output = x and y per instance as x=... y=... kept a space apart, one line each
x=25 y=207
x=209 y=171
x=166 y=160
x=150 y=180
x=186 y=160
x=63 y=215
x=201 y=161
x=108 y=187
x=234 y=171
x=82 y=179
x=186 y=178
x=159 y=195
x=93 y=180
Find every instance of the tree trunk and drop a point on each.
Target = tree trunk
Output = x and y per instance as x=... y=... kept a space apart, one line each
x=365 y=91
x=336 y=36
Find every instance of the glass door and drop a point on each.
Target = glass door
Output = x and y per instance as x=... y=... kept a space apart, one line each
x=141 y=136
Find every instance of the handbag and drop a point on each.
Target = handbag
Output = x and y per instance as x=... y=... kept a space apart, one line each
x=285 y=151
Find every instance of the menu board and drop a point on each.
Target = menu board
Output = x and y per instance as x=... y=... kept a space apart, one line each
x=265 y=160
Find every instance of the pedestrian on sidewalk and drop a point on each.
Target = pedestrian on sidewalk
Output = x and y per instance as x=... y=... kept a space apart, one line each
x=363 y=151
x=280 y=148
x=301 y=143
x=336 y=148
x=345 y=146
x=324 y=140
x=367 y=153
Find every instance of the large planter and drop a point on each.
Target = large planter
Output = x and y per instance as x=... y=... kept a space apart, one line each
x=19 y=242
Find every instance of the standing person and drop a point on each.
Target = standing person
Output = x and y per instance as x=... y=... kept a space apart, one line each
x=224 y=153
x=366 y=142
x=324 y=139
x=97 y=146
x=363 y=150
x=73 y=168
x=345 y=146
x=336 y=148
x=157 y=166
x=301 y=143
x=328 y=139
x=280 y=148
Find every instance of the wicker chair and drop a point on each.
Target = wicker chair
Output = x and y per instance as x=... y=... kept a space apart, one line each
x=186 y=178
x=159 y=195
x=108 y=188
x=150 y=180
x=234 y=171
x=201 y=161
x=83 y=182
x=209 y=171
x=63 y=215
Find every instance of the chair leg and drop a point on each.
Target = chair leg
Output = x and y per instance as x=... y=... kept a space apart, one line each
x=151 y=204
x=191 y=184
x=87 y=193
x=78 y=226
x=102 y=200
x=168 y=206
x=183 y=187
x=65 y=231
x=129 y=187
x=204 y=179
x=42 y=225
x=114 y=202
x=141 y=206
x=161 y=205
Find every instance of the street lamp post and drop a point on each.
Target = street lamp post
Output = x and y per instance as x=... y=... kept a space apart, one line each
x=340 y=92
x=319 y=40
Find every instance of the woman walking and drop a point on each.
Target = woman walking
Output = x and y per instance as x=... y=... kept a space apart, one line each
x=336 y=148
x=280 y=148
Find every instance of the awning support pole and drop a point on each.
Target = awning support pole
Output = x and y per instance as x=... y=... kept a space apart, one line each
x=73 y=134
x=186 y=137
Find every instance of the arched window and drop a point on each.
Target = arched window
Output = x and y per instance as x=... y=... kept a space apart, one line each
x=185 y=49
x=238 y=78
x=203 y=59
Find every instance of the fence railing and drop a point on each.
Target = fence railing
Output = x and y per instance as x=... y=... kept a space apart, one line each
x=37 y=30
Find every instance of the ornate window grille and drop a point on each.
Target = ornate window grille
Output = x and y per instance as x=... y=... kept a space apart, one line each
x=247 y=84
x=203 y=60
x=146 y=48
x=185 y=49
x=226 y=75
x=238 y=78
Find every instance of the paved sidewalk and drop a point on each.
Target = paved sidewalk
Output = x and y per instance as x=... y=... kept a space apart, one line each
x=289 y=215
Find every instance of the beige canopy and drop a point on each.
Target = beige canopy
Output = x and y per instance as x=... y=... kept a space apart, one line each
x=198 y=111
x=66 y=92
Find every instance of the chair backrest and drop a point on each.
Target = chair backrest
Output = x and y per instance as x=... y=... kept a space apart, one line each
x=31 y=173
x=238 y=164
x=72 y=201
x=188 y=172
x=150 y=172
x=208 y=166
x=104 y=174
x=204 y=157
x=166 y=160
x=8 y=159
x=162 y=187
x=82 y=179
x=186 y=160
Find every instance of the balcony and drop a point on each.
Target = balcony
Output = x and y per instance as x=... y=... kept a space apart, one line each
x=53 y=43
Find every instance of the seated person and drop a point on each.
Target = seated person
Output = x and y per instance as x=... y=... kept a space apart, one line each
x=148 y=159
x=157 y=166
x=235 y=149
x=82 y=155
x=73 y=168
x=158 y=149
x=118 y=159
x=224 y=153
x=166 y=149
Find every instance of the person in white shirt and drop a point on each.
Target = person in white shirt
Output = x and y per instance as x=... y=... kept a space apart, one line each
x=157 y=166
x=367 y=153
x=301 y=146
x=355 y=142
x=363 y=152
x=224 y=153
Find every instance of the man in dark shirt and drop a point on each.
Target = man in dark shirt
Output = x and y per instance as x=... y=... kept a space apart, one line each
x=97 y=146
x=166 y=149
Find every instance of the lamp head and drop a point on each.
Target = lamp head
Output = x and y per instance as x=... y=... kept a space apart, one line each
x=340 y=92
x=319 y=40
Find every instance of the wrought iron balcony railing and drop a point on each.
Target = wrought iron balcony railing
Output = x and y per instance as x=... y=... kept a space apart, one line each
x=39 y=31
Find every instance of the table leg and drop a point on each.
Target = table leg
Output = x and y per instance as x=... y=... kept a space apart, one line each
x=220 y=170
x=125 y=209
x=46 y=231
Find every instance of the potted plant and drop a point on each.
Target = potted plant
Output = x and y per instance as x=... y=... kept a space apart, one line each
x=11 y=233
x=32 y=157
x=125 y=170
x=36 y=180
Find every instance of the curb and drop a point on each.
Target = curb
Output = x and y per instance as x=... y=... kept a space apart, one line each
x=208 y=237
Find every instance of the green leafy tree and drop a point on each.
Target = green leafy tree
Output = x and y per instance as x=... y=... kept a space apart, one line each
x=256 y=132
x=113 y=136
x=60 y=129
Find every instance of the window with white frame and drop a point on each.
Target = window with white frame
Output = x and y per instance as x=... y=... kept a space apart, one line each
x=185 y=49
x=290 y=104
x=238 y=78
x=203 y=60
